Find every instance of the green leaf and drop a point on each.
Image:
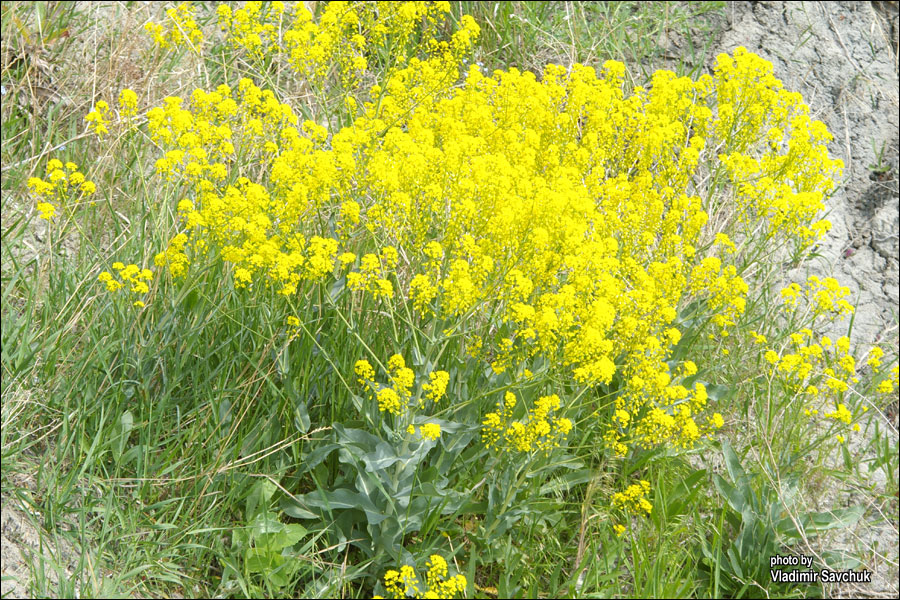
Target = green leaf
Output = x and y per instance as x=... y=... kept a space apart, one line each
x=839 y=559
x=294 y=532
x=417 y=359
x=315 y=458
x=122 y=432
x=264 y=524
x=684 y=493
x=258 y=500
x=565 y=483
x=735 y=563
x=787 y=527
x=733 y=464
x=389 y=537
x=342 y=498
x=331 y=500
x=717 y=392
x=383 y=457
x=734 y=498
x=840 y=518
x=301 y=417
x=134 y=454
x=848 y=460
x=224 y=412
x=259 y=560
x=337 y=288
x=356 y=437
x=288 y=535
x=278 y=578
x=297 y=510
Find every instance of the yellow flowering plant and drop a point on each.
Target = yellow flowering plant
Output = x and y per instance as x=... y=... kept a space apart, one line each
x=179 y=28
x=812 y=375
x=555 y=219
x=457 y=295
x=632 y=501
x=63 y=185
x=438 y=584
x=330 y=47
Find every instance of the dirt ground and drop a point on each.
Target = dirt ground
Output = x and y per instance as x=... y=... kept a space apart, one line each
x=843 y=58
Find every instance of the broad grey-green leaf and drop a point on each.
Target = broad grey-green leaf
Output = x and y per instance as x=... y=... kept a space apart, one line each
x=297 y=509
x=838 y=518
x=732 y=496
x=733 y=464
x=839 y=559
x=122 y=432
x=417 y=359
x=357 y=437
x=383 y=457
x=315 y=458
x=343 y=498
x=264 y=524
x=334 y=292
x=301 y=417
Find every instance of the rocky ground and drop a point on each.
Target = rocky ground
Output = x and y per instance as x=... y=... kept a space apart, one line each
x=842 y=57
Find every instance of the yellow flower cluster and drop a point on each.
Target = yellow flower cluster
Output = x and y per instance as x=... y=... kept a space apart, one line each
x=334 y=42
x=405 y=584
x=436 y=386
x=633 y=501
x=725 y=288
x=841 y=413
x=828 y=296
x=889 y=385
x=431 y=431
x=634 y=498
x=584 y=283
x=395 y=399
x=256 y=231
x=343 y=40
x=254 y=27
x=174 y=257
x=364 y=372
x=349 y=38
x=539 y=431
x=128 y=100
x=783 y=187
x=561 y=207
x=813 y=366
x=63 y=184
x=180 y=29
x=675 y=424
x=98 y=119
x=130 y=276
x=807 y=363
x=402 y=583
x=875 y=356
x=372 y=274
